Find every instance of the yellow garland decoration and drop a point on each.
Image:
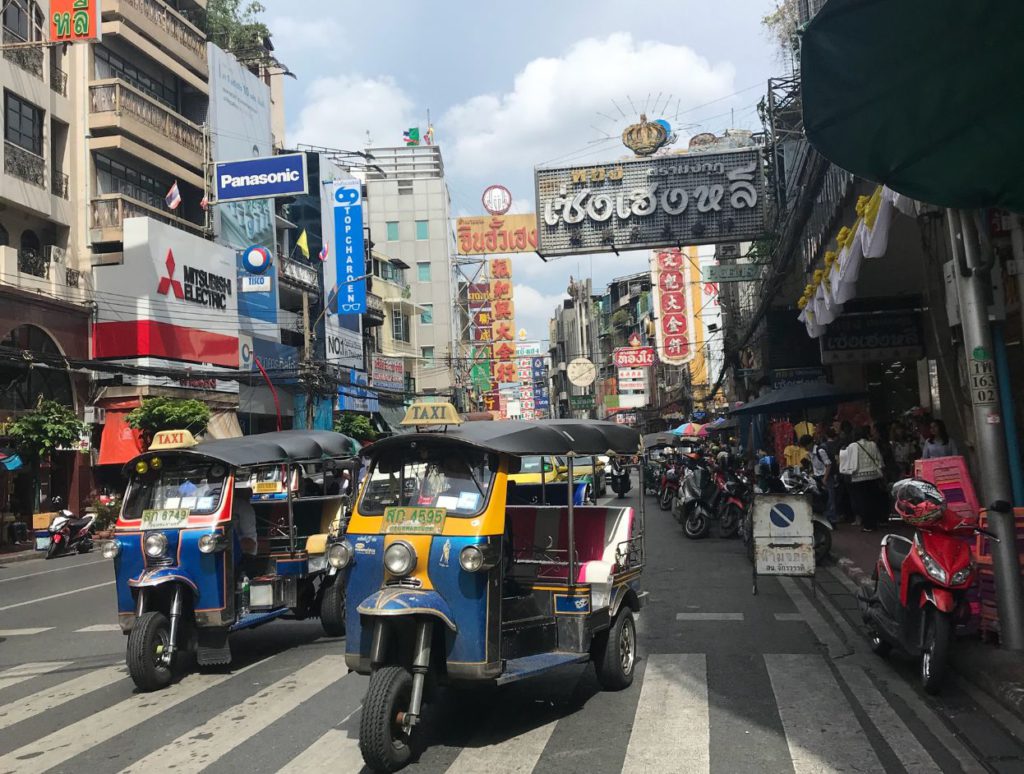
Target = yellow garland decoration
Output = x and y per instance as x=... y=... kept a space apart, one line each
x=802 y=302
x=874 y=204
x=830 y=258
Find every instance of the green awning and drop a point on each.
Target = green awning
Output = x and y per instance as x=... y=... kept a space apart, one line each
x=925 y=96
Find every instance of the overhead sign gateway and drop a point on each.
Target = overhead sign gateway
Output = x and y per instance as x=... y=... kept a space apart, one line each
x=260 y=178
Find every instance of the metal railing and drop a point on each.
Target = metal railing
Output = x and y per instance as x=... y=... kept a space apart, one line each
x=172 y=24
x=28 y=55
x=24 y=164
x=59 y=183
x=116 y=96
x=72 y=277
x=58 y=80
x=34 y=263
x=110 y=211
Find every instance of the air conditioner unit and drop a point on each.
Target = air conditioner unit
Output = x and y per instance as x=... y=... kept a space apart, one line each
x=95 y=415
x=55 y=254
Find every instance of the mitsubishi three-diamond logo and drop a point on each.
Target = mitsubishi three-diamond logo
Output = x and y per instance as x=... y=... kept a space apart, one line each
x=168 y=283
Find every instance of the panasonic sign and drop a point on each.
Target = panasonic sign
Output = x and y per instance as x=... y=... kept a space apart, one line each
x=260 y=178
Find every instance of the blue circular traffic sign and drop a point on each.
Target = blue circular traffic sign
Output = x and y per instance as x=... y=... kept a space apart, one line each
x=782 y=516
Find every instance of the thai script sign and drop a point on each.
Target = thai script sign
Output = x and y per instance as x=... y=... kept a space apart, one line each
x=387 y=373
x=633 y=357
x=75 y=21
x=865 y=338
x=733 y=272
x=487 y=234
x=680 y=199
x=672 y=303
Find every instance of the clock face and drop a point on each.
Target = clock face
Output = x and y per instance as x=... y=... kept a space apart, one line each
x=581 y=372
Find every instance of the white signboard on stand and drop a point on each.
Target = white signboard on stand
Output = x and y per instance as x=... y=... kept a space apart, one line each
x=783 y=535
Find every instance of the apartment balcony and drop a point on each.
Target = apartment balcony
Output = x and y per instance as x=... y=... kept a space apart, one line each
x=24 y=165
x=28 y=56
x=59 y=184
x=58 y=80
x=374 y=310
x=298 y=275
x=35 y=273
x=119 y=106
x=108 y=212
x=165 y=27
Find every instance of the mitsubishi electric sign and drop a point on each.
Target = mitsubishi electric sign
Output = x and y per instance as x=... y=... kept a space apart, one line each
x=260 y=178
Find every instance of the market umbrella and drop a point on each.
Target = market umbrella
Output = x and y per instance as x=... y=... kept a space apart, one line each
x=924 y=96
x=657 y=440
x=721 y=425
x=795 y=397
x=690 y=430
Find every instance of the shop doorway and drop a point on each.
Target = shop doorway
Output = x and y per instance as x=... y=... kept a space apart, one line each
x=892 y=388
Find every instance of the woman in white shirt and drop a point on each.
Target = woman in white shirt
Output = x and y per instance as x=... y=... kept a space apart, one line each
x=864 y=463
x=939 y=444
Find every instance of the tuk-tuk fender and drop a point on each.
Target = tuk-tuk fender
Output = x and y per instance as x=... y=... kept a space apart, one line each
x=161 y=576
x=624 y=594
x=398 y=601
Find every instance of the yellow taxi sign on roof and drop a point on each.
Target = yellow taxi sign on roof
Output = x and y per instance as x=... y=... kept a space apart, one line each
x=426 y=414
x=172 y=439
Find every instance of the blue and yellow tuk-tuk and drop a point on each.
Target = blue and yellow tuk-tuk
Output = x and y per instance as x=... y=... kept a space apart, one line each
x=198 y=554
x=451 y=584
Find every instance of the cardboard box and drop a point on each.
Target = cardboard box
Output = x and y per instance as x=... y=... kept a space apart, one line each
x=42 y=520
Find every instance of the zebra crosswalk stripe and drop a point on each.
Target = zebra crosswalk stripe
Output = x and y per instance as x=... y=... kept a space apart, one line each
x=336 y=750
x=673 y=706
x=43 y=701
x=516 y=755
x=822 y=731
x=24 y=632
x=23 y=672
x=222 y=733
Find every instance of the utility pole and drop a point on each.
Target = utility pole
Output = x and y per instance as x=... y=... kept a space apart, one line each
x=307 y=361
x=974 y=285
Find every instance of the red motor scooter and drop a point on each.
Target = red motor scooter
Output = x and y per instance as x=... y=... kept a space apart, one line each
x=669 y=484
x=918 y=590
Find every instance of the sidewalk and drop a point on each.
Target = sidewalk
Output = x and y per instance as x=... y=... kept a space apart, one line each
x=18 y=553
x=998 y=672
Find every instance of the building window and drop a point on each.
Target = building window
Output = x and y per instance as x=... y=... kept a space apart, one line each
x=114 y=177
x=392 y=230
x=423 y=271
x=399 y=325
x=24 y=19
x=428 y=355
x=23 y=124
x=427 y=315
x=422 y=229
x=405 y=187
x=111 y=65
x=388 y=271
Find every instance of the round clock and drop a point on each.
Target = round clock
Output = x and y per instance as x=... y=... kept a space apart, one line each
x=581 y=372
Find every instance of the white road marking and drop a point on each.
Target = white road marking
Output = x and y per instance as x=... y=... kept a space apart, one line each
x=335 y=749
x=23 y=632
x=904 y=744
x=55 y=569
x=515 y=755
x=23 y=672
x=671 y=729
x=825 y=633
x=55 y=596
x=789 y=617
x=49 y=751
x=60 y=694
x=99 y=628
x=822 y=731
x=201 y=746
x=709 y=616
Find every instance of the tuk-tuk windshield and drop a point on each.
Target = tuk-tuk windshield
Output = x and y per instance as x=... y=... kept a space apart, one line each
x=197 y=486
x=533 y=465
x=458 y=480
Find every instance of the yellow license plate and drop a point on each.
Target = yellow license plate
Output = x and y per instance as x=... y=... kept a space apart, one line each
x=164 y=518
x=266 y=487
x=414 y=521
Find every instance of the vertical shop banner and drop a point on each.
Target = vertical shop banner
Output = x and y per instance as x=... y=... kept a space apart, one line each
x=342 y=337
x=350 y=254
x=672 y=303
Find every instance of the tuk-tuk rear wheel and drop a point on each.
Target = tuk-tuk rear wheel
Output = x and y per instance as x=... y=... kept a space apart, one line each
x=147 y=641
x=383 y=741
x=614 y=652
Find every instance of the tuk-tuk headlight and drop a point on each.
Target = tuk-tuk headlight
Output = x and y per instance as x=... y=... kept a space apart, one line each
x=400 y=558
x=340 y=554
x=111 y=549
x=212 y=542
x=155 y=544
x=477 y=558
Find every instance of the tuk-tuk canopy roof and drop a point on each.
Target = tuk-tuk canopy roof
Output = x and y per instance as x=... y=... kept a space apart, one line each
x=268 y=448
x=566 y=437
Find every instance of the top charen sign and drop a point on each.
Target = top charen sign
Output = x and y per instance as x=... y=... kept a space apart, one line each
x=260 y=178
x=654 y=202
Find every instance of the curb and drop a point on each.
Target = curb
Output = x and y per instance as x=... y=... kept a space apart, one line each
x=21 y=556
x=1010 y=695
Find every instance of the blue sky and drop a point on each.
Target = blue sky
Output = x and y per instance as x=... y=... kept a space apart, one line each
x=509 y=86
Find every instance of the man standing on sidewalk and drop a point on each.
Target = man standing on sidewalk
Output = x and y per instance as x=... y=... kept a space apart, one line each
x=823 y=470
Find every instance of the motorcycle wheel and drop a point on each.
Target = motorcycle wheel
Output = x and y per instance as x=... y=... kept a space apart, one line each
x=332 y=609
x=879 y=646
x=384 y=742
x=53 y=550
x=936 y=651
x=150 y=635
x=822 y=542
x=696 y=525
x=665 y=499
x=729 y=524
x=85 y=546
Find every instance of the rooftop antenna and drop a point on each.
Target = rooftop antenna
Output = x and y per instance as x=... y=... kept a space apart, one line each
x=369 y=142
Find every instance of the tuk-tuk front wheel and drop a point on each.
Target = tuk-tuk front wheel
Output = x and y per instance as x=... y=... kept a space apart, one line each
x=383 y=739
x=147 y=642
x=615 y=653
x=332 y=608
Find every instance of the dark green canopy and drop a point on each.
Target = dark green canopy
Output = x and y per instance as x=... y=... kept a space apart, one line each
x=925 y=96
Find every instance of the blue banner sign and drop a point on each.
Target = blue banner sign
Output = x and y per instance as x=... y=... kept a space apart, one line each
x=260 y=178
x=350 y=255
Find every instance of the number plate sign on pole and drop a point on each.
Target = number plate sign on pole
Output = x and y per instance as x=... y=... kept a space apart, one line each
x=783 y=535
x=733 y=272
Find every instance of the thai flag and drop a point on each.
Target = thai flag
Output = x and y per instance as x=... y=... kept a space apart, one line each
x=323 y=252
x=173 y=197
x=204 y=203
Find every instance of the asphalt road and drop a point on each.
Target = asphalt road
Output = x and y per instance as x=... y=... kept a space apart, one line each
x=727 y=682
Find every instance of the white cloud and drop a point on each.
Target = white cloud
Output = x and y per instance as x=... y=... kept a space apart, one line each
x=534 y=309
x=338 y=111
x=554 y=102
x=294 y=35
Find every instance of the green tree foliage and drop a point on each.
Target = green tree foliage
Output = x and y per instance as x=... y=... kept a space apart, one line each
x=234 y=25
x=782 y=24
x=156 y=414
x=355 y=426
x=50 y=425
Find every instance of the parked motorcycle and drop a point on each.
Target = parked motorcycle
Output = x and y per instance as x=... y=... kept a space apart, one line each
x=669 y=484
x=799 y=482
x=620 y=478
x=694 y=507
x=68 y=533
x=919 y=586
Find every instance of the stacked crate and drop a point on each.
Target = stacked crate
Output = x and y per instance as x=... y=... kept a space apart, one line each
x=986 y=576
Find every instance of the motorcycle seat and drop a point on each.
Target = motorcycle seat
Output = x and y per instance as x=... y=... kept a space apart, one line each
x=896 y=551
x=77 y=523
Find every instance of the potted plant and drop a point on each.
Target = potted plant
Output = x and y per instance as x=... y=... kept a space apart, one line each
x=159 y=413
x=37 y=433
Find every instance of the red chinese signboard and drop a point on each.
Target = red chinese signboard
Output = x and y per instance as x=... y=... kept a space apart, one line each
x=675 y=317
x=483 y=235
x=73 y=21
x=633 y=357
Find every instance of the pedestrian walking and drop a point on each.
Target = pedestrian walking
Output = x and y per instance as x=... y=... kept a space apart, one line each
x=939 y=444
x=863 y=462
x=841 y=437
x=823 y=465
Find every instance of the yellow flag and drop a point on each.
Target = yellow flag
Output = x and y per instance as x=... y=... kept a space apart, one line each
x=303 y=243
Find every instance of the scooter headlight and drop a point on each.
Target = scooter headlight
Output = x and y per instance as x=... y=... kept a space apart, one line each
x=400 y=558
x=155 y=544
x=962 y=576
x=339 y=555
x=934 y=568
x=111 y=549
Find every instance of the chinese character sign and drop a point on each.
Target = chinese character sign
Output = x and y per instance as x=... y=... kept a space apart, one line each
x=74 y=21
x=483 y=235
x=671 y=300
